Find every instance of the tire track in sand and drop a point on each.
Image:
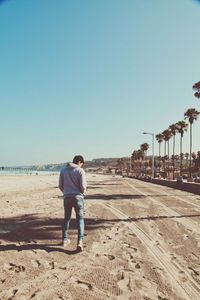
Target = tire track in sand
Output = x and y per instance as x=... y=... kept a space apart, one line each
x=187 y=223
x=170 y=195
x=188 y=289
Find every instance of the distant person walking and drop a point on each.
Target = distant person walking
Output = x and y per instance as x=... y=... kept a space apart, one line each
x=72 y=182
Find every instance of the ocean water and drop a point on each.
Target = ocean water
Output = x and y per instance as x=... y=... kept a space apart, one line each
x=26 y=172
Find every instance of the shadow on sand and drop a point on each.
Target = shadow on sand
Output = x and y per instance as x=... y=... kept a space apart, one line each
x=31 y=232
x=127 y=196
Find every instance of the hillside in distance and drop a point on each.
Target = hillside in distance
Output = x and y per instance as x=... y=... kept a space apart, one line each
x=95 y=163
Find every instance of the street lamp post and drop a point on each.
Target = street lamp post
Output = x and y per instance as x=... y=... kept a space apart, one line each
x=152 y=167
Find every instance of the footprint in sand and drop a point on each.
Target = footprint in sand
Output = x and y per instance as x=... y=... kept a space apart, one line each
x=120 y=275
x=194 y=271
x=108 y=237
x=185 y=236
x=62 y=268
x=194 y=256
x=183 y=277
x=13 y=294
x=124 y=283
x=158 y=268
x=109 y=256
x=36 y=263
x=52 y=265
x=34 y=294
x=173 y=256
x=130 y=246
x=34 y=251
x=16 y=268
x=137 y=266
x=132 y=234
x=85 y=285
x=162 y=298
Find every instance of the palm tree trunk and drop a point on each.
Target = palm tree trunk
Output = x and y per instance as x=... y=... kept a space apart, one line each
x=190 y=171
x=168 y=155
x=181 y=158
x=173 y=153
x=164 y=167
x=159 y=157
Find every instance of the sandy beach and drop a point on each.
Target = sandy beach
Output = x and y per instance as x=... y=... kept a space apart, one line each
x=142 y=241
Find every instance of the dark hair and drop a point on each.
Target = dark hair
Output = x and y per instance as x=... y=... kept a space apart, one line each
x=77 y=159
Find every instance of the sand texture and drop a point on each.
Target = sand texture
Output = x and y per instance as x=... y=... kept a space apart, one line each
x=142 y=241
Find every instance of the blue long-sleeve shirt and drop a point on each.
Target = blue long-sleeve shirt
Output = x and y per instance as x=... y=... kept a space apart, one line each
x=72 y=180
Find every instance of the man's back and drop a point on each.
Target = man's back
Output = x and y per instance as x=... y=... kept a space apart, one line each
x=72 y=180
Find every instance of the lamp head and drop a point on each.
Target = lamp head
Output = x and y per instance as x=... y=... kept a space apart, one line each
x=148 y=133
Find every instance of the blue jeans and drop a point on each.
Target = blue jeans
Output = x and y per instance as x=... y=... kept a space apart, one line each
x=77 y=202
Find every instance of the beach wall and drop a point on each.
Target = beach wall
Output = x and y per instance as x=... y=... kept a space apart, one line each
x=190 y=187
x=184 y=186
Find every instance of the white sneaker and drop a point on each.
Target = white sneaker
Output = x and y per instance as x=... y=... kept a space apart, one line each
x=80 y=246
x=66 y=243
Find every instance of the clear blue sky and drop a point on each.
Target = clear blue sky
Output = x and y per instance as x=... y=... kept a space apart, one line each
x=89 y=76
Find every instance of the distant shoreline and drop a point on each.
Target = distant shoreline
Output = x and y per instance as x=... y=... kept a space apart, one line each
x=19 y=173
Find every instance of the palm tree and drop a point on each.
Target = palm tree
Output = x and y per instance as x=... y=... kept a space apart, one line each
x=182 y=127
x=176 y=157
x=187 y=155
x=173 y=128
x=196 y=87
x=159 y=138
x=120 y=164
x=141 y=158
x=198 y=160
x=133 y=159
x=136 y=157
x=194 y=156
x=133 y=155
x=144 y=147
x=166 y=136
x=191 y=114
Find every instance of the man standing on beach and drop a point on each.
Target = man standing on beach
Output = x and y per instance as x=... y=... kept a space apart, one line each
x=72 y=182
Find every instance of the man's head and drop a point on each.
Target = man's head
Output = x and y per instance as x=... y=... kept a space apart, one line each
x=78 y=160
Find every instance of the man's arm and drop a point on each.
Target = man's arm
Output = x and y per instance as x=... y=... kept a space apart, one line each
x=61 y=181
x=83 y=182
